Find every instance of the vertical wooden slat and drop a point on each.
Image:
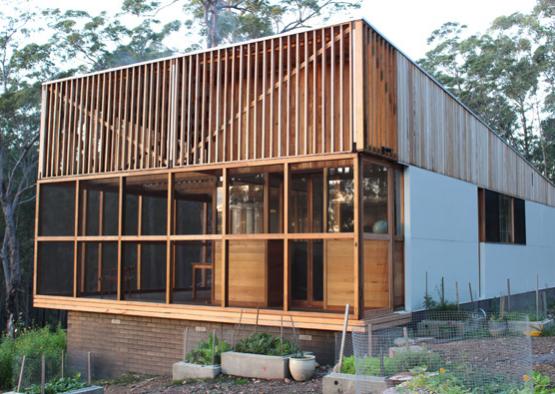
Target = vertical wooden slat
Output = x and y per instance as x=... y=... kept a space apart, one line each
x=151 y=139
x=358 y=90
x=297 y=91
x=225 y=142
x=218 y=102
x=332 y=90
x=156 y=129
x=240 y=102
x=264 y=128
x=286 y=184
x=248 y=102
x=341 y=76
x=163 y=122
x=196 y=121
x=201 y=144
x=121 y=188
x=210 y=108
x=280 y=97
x=288 y=99
x=144 y=147
x=323 y=126
x=272 y=88
x=255 y=126
x=232 y=108
x=225 y=210
x=314 y=92
x=184 y=101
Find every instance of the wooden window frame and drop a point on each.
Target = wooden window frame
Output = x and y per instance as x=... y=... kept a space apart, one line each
x=482 y=229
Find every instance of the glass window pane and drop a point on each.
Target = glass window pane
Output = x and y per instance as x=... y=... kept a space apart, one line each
x=94 y=195
x=306 y=200
x=505 y=218
x=145 y=205
x=196 y=267
x=252 y=209
x=55 y=268
x=97 y=269
x=374 y=198
x=144 y=271
x=307 y=273
x=57 y=209
x=196 y=197
x=340 y=199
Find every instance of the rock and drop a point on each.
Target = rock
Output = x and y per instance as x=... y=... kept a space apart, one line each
x=413 y=348
x=402 y=341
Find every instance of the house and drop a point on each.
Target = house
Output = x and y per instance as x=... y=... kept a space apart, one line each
x=271 y=183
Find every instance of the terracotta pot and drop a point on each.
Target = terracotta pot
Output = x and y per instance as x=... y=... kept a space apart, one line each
x=302 y=368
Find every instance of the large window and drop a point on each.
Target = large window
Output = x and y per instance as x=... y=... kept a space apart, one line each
x=502 y=218
x=165 y=232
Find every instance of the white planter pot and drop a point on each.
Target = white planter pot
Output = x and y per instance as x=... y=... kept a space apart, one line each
x=302 y=368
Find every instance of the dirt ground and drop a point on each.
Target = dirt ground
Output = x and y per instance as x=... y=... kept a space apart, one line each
x=543 y=349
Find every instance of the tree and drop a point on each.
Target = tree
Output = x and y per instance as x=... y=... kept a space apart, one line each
x=502 y=75
x=227 y=21
x=73 y=38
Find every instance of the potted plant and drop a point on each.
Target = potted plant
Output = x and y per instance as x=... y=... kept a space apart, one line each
x=203 y=362
x=260 y=355
x=302 y=366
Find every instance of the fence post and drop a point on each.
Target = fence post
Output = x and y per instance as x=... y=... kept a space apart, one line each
x=21 y=373
x=89 y=368
x=344 y=334
x=185 y=334
x=508 y=295
x=42 y=373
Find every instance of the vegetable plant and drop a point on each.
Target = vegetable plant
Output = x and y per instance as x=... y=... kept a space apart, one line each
x=263 y=343
x=208 y=352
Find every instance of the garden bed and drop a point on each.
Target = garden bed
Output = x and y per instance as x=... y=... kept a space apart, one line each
x=250 y=365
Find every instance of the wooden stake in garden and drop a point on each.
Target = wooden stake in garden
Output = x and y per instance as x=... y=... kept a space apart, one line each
x=343 y=335
x=470 y=292
x=457 y=295
x=185 y=339
x=442 y=290
x=21 y=373
x=508 y=295
x=89 y=377
x=537 y=295
x=42 y=374
x=213 y=346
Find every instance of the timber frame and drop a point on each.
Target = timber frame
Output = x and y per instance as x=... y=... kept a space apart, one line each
x=336 y=93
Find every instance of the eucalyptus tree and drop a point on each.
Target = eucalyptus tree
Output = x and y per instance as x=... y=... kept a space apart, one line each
x=227 y=21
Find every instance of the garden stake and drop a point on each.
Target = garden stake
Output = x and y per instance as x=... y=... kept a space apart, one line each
x=213 y=346
x=281 y=335
x=544 y=305
x=342 y=347
x=42 y=373
x=185 y=335
x=470 y=292
x=89 y=368
x=256 y=322
x=21 y=373
x=501 y=307
x=537 y=295
x=508 y=295
x=442 y=291
x=457 y=295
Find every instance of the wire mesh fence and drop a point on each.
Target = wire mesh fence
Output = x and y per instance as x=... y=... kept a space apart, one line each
x=52 y=372
x=476 y=351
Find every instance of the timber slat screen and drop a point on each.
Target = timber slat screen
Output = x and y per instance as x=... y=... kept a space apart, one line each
x=279 y=97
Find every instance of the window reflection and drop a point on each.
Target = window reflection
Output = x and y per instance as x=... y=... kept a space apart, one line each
x=374 y=197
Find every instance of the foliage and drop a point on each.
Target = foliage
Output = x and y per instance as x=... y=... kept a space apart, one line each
x=506 y=75
x=400 y=362
x=60 y=385
x=208 y=352
x=449 y=383
x=263 y=343
x=33 y=344
x=239 y=20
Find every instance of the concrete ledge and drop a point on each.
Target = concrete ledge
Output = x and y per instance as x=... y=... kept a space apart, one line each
x=85 y=390
x=343 y=383
x=182 y=370
x=259 y=366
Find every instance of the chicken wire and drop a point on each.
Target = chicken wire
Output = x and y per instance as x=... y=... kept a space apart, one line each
x=31 y=371
x=483 y=352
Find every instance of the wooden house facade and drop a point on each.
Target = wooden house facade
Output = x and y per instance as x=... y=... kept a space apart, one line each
x=262 y=182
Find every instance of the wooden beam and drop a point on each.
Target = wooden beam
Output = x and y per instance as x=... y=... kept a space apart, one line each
x=286 y=280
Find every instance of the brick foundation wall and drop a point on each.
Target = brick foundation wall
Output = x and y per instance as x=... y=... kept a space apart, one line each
x=120 y=344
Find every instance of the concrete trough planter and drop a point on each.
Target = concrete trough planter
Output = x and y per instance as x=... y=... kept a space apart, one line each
x=260 y=366
x=182 y=370
x=84 y=390
x=343 y=383
x=524 y=327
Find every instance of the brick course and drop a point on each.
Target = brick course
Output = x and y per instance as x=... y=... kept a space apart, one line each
x=120 y=343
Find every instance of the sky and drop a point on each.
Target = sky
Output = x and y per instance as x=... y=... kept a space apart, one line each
x=406 y=23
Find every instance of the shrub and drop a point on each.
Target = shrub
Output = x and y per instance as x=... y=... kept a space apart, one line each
x=262 y=343
x=203 y=354
x=32 y=343
x=60 y=385
x=401 y=362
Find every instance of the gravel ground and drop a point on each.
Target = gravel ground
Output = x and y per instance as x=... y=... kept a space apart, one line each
x=543 y=350
x=225 y=384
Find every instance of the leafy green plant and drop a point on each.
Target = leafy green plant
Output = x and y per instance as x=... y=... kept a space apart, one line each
x=263 y=343
x=401 y=362
x=443 y=383
x=32 y=343
x=60 y=385
x=208 y=352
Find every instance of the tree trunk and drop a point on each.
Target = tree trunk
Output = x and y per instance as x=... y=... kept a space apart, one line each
x=211 y=21
x=11 y=265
